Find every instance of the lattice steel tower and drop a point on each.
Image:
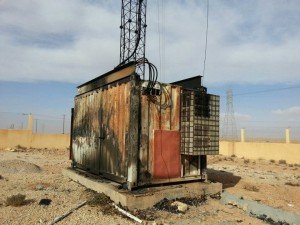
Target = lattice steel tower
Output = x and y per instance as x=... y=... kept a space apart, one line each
x=229 y=130
x=133 y=32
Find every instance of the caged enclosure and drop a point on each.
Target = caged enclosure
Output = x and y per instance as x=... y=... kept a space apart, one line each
x=139 y=136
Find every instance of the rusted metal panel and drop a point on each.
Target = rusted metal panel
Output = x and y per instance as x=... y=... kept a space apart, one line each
x=144 y=173
x=157 y=113
x=101 y=122
x=110 y=77
x=132 y=141
x=166 y=154
x=175 y=113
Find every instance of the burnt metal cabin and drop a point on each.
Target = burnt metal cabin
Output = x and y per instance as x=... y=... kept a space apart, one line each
x=120 y=133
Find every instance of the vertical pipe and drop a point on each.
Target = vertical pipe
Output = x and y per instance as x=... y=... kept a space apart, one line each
x=30 y=122
x=243 y=135
x=64 y=118
x=287 y=136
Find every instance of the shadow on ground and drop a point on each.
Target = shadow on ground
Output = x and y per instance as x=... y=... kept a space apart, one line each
x=227 y=179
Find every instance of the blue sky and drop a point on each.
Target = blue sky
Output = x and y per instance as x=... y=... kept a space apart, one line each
x=48 y=48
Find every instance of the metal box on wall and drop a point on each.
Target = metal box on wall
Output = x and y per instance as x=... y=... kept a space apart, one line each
x=139 y=140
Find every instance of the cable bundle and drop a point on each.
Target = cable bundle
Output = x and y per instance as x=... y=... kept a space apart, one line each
x=159 y=102
x=153 y=75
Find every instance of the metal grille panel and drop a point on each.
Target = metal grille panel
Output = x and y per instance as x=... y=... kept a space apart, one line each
x=199 y=123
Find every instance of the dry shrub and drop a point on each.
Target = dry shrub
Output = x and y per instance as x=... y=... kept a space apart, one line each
x=233 y=156
x=20 y=147
x=281 y=161
x=16 y=200
x=103 y=202
x=246 y=161
x=229 y=159
x=250 y=187
x=293 y=184
x=272 y=161
x=1 y=177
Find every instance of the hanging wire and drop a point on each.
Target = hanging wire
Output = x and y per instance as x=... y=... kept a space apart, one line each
x=163 y=40
x=206 y=35
x=159 y=35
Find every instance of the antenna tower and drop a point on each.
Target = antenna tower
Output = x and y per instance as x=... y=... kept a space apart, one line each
x=230 y=130
x=133 y=32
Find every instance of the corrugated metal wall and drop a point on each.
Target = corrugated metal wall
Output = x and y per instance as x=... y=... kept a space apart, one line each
x=157 y=113
x=100 y=126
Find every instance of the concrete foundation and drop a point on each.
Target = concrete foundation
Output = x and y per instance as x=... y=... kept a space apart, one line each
x=145 y=197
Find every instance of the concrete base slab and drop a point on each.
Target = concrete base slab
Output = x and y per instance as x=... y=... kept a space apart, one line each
x=145 y=197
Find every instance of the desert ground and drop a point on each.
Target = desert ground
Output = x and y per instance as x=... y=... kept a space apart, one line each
x=36 y=174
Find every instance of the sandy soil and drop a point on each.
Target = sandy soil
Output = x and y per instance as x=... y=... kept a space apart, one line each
x=271 y=183
x=37 y=174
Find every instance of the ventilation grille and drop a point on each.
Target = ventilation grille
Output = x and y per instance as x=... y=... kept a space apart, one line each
x=199 y=123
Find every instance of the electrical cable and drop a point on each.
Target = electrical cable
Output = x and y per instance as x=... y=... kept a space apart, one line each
x=268 y=90
x=163 y=40
x=206 y=37
x=159 y=36
x=153 y=75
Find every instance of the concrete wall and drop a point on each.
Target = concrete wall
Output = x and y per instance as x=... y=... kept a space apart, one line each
x=262 y=150
x=25 y=138
x=251 y=150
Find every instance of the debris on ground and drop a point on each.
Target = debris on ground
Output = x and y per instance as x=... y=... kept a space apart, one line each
x=60 y=218
x=102 y=201
x=181 y=207
x=39 y=187
x=167 y=205
x=129 y=215
x=45 y=201
x=293 y=184
x=281 y=161
x=17 y=200
x=146 y=214
x=269 y=220
x=216 y=196
x=193 y=201
x=250 y=187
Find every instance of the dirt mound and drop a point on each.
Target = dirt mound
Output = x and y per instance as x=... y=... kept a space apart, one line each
x=18 y=166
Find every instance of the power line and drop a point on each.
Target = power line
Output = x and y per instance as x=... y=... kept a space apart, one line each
x=206 y=35
x=268 y=90
x=35 y=114
x=159 y=36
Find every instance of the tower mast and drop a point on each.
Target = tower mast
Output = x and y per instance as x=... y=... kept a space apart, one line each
x=133 y=32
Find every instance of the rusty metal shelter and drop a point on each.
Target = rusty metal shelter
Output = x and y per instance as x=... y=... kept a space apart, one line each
x=137 y=140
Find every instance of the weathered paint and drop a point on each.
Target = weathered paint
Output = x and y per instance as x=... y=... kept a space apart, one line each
x=159 y=113
x=100 y=126
x=166 y=154
x=110 y=77
x=126 y=136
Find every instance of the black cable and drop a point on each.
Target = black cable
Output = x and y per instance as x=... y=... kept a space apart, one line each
x=206 y=35
x=153 y=75
x=268 y=90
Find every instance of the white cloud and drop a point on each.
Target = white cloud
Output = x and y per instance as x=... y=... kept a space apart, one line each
x=291 y=112
x=255 y=41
